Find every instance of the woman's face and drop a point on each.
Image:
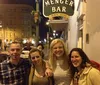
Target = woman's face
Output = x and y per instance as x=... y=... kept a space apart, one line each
x=58 y=50
x=36 y=58
x=76 y=59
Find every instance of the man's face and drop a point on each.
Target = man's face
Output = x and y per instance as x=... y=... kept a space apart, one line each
x=15 y=51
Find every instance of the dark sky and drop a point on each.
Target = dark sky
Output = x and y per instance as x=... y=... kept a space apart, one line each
x=42 y=26
x=30 y=2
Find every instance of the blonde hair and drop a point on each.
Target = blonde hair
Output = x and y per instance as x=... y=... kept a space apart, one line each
x=52 y=59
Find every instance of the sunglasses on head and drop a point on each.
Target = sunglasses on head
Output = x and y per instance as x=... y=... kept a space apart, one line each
x=33 y=57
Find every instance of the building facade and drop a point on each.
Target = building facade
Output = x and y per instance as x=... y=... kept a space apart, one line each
x=16 y=22
x=85 y=31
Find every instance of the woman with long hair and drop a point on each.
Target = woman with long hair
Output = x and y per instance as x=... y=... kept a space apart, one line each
x=58 y=59
x=38 y=67
x=82 y=70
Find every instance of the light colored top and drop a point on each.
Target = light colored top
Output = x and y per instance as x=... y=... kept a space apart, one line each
x=35 y=79
x=89 y=76
x=40 y=80
x=62 y=77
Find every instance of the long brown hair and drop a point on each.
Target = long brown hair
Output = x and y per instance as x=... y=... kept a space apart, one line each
x=85 y=60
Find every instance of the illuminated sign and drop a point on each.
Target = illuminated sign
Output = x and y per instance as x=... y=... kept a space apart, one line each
x=65 y=7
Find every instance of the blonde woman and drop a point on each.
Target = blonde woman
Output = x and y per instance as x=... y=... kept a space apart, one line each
x=58 y=58
x=37 y=72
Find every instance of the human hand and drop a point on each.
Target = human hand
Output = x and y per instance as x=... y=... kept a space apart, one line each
x=49 y=72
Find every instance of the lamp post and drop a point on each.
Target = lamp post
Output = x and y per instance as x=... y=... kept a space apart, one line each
x=48 y=35
x=37 y=21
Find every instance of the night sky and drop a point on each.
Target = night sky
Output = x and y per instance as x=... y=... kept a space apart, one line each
x=42 y=26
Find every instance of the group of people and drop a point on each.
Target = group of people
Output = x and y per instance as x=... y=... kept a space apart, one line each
x=62 y=68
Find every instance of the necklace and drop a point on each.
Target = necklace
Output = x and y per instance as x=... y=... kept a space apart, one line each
x=39 y=74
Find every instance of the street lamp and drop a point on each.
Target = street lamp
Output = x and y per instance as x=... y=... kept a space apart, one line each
x=47 y=23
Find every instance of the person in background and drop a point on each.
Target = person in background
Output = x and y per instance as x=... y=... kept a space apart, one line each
x=38 y=67
x=28 y=46
x=58 y=59
x=40 y=46
x=14 y=70
x=83 y=73
x=6 y=44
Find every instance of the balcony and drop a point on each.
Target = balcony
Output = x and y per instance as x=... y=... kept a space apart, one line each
x=58 y=25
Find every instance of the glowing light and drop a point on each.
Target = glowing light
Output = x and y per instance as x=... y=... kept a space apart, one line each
x=0 y=25
x=33 y=42
x=24 y=41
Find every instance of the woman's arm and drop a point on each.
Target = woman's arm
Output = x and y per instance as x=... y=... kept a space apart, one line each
x=48 y=71
x=94 y=76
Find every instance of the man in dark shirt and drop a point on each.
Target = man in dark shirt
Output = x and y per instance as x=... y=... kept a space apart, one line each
x=13 y=70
